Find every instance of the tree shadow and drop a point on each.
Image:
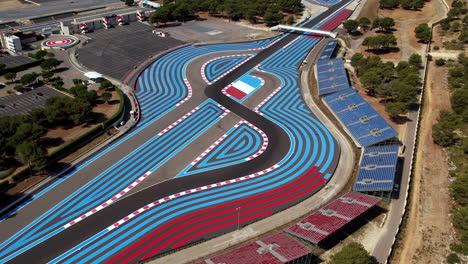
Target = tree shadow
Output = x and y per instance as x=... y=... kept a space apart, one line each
x=355 y=33
x=97 y=118
x=52 y=142
x=61 y=69
x=400 y=120
x=383 y=51
x=113 y=102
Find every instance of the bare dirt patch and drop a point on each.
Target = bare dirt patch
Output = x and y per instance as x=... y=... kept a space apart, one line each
x=13 y=4
x=370 y=9
x=429 y=231
x=402 y=14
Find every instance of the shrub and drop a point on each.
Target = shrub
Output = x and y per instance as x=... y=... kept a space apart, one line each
x=440 y=62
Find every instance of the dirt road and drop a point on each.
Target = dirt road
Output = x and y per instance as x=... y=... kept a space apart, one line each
x=429 y=231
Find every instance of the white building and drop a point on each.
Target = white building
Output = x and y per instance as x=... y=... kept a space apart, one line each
x=13 y=43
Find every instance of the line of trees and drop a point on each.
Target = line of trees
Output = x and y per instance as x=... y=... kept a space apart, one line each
x=406 y=4
x=451 y=131
x=20 y=136
x=399 y=85
x=380 y=42
x=270 y=11
x=384 y=23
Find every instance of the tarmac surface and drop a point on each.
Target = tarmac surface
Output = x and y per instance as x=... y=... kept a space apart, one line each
x=114 y=56
x=12 y=61
x=22 y=104
x=53 y=7
x=275 y=151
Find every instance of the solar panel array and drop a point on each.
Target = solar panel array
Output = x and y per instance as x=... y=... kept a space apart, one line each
x=323 y=223
x=377 y=169
x=331 y=76
x=328 y=50
x=275 y=249
x=364 y=123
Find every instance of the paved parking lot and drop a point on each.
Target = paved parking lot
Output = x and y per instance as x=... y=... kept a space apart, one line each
x=210 y=31
x=116 y=51
x=12 y=61
x=22 y=104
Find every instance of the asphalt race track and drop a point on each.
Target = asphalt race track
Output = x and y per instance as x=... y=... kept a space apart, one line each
x=299 y=158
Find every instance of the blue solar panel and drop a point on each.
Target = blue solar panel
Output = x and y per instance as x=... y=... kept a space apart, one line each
x=377 y=169
x=364 y=123
x=328 y=50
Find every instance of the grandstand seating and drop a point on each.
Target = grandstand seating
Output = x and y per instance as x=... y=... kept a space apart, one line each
x=364 y=123
x=321 y=224
x=328 y=50
x=331 y=76
x=278 y=248
x=377 y=169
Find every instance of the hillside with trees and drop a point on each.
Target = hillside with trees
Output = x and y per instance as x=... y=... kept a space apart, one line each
x=270 y=12
x=451 y=132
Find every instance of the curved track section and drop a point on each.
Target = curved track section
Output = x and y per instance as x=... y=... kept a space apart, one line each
x=206 y=214
x=217 y=68
x=301 y=160
x=241 y=143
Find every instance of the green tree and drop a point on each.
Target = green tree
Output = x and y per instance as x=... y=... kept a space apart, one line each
x=455 y=26
x=10 y=76
x=272 y=18
x=371 y=79
x=385 y=23
x=29 y=153
x=28 y=79
x=464 y=35
x=106 y=96
x=163 y=14
x=465 y=20
x=394 y=109
x=77 y=89
x=183 y=11
x=357 y=60
x=46 y=75
x=105 y=85
x=364 y=22
x=49 y=64
x=18 y=88
x=423 y=32
x=40 y=54
x=351 y=25
x=459 y=100
x=443 y=135
x=453 y=258
x=460 y=190
x=129 y=2
x=2 y=66
x=290 y=20
x=415 y=60
x=445 y=24
x=440 y=62
x=389 y=4
x=353 y=253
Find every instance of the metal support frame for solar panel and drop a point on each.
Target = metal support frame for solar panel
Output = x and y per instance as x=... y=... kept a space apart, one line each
x=385 y=195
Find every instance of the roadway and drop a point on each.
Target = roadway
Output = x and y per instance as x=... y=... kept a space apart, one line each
x=110 y=214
